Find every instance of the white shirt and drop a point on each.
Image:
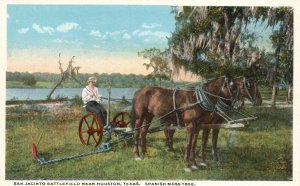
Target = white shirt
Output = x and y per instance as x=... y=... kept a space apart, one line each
x=89 y=94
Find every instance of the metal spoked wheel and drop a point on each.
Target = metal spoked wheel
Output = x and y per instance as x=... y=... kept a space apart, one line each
x=90 y=130
x=121 y=120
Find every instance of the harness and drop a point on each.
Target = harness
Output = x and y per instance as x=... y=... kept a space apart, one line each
x=220 y=106
x=174 y=106
x=204 y=101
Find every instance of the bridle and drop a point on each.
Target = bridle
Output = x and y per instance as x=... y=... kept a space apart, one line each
x=229 y=85
x=247 y=87
x=221 y=105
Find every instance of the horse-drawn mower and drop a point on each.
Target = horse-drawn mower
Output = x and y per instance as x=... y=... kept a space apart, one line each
x=92 y=131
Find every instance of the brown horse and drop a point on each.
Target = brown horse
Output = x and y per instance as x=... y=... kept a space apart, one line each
x=163 y=103
x=249 y=90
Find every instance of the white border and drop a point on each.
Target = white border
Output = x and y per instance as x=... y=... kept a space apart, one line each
x=296 y=125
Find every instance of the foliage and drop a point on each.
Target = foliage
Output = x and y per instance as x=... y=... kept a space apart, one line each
x=47 y=80
x=158 y=62
x=29 y=79
x=207 y=29
x=285 y=59
x=207 y=39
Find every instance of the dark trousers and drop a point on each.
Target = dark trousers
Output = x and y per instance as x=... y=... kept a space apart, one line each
x=95 y=107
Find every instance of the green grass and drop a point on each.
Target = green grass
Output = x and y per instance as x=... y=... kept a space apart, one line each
x=266 y=94
x=20 y=84
x=262 y=151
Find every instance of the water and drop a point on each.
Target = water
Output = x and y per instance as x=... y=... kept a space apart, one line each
x=42 y=93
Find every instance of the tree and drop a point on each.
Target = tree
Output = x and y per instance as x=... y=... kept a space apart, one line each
x=207 y=34
x=158 y=62
x=283 y=67
x=70 y=72
x=29 y=80
x=208 y=40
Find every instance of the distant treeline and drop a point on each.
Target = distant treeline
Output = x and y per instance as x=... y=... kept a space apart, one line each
x=115 y=79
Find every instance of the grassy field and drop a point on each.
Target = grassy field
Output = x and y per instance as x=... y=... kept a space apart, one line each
x=262 y=151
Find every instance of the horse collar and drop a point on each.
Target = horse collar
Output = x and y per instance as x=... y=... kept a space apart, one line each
x=203 y=100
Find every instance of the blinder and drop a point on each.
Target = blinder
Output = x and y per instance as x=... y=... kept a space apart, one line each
x=231 y=85
x=247 y=87
x=234 y=93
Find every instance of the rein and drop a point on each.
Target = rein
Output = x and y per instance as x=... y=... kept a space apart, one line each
x=165 y=115
x=174 y=106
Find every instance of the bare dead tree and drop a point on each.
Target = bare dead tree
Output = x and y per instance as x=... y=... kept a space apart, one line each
x=70 y=72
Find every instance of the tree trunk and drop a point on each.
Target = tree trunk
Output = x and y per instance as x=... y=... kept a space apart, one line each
x=277 y=53
x=59 y=83
x=290 y=94
x=274 y=92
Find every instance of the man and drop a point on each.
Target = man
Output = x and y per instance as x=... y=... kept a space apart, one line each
x=91 y=100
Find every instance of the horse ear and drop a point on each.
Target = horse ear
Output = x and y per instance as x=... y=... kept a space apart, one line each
x=228 y=76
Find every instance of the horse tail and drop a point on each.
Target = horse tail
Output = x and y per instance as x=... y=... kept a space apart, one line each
x=132 y=115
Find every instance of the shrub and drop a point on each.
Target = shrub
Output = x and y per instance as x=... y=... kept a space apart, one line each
x=29 y=80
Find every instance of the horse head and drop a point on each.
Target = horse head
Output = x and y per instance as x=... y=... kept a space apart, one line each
x=226 y=90
x=233 y=92
x=249 y=90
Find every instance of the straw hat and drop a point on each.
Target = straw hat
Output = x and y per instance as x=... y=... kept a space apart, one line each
x=93 y=79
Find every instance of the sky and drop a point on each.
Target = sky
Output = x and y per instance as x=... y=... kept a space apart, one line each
x=104 y=38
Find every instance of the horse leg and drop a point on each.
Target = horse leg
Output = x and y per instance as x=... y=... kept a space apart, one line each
x=136 y=136
x=205 y=135
x=169 y=138
x=171 y=134
x=167 y=134
x=193 y=147
x=144 y=131
x=214 y=145
x=190 y=131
